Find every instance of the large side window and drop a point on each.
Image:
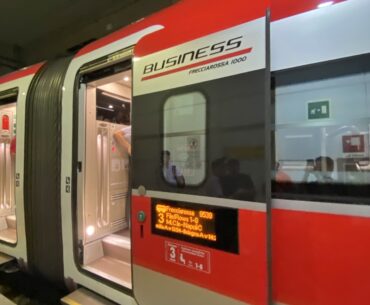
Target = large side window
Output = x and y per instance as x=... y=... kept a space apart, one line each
x=184 y=143
x=322 y=132
x=8 y=101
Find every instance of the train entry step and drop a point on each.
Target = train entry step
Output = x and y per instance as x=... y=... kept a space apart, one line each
x=114 y=261
x=83 y=296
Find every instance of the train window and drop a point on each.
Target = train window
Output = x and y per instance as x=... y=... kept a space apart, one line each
x=103 y=186
x=8 y=101
x=213 y=133
x=184 y=139
x=322 y=132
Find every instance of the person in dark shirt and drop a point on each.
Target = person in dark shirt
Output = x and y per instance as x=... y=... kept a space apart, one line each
x=237 y=185
x=213 y=186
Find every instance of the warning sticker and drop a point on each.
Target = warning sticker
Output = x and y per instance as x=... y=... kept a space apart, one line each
x=189 y=257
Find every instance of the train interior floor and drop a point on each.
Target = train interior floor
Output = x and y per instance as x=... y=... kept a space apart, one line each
x=115 y=262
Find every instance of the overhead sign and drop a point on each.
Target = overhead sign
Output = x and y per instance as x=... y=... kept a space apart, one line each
x=318 y=110
x=353 y=144
x=215 y=227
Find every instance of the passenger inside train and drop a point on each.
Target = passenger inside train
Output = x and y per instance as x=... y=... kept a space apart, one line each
x=171 y=173
x=320 y=171
x=237 y=185
x=123 y=138
x=8 y=227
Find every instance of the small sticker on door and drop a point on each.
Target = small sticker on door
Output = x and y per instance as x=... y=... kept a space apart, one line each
x=188 y=257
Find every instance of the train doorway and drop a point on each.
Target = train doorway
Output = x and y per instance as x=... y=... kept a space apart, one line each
x=8 y=231
x=103 y=205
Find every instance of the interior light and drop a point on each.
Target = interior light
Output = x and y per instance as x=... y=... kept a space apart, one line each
x=126 y=78
x=110 y=106
x=325 y=4
x=90 y=230
x=136 y=59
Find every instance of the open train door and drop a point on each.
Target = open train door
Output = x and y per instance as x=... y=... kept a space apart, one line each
x=201 y=151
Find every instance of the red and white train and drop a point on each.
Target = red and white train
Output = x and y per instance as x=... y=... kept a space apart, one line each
x=249 y=175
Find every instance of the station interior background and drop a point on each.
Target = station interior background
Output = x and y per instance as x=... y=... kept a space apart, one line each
x=31 y=32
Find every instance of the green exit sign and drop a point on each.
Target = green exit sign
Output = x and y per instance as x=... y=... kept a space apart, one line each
x=318 y=110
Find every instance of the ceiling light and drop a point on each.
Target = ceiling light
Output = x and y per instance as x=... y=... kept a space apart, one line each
x=325 y=4
x=126 y=78
x=110 y=106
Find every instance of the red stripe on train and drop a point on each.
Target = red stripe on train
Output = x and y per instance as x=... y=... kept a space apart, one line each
x=21 y=73
x=207 y=17
x=281 y=9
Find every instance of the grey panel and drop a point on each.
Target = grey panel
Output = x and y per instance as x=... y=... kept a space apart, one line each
x=173 y=292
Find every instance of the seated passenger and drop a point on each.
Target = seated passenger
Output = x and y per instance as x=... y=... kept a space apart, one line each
x=213 y=185
x=321 y=170
x=171 y=173
x=280 y=175
x=281 y=181
x=237 y=185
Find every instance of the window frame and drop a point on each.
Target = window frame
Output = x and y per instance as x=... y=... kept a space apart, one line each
x=206 y=131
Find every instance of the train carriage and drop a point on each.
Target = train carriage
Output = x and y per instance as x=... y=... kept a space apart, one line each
x=13 y=92
x=211 y=153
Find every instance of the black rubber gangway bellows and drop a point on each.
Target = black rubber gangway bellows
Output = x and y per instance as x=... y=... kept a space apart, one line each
x=42 y=172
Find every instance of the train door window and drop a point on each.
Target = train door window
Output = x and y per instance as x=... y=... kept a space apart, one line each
x=184 y=143
x=204 y=139
x=104 y=188
x=322 y=132
x=8 y=101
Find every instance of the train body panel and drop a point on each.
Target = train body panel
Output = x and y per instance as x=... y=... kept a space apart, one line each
x=319 y=258
x=318 y=246
x=172 y=79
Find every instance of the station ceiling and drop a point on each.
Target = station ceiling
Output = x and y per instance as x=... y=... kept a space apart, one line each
x=31 y=31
